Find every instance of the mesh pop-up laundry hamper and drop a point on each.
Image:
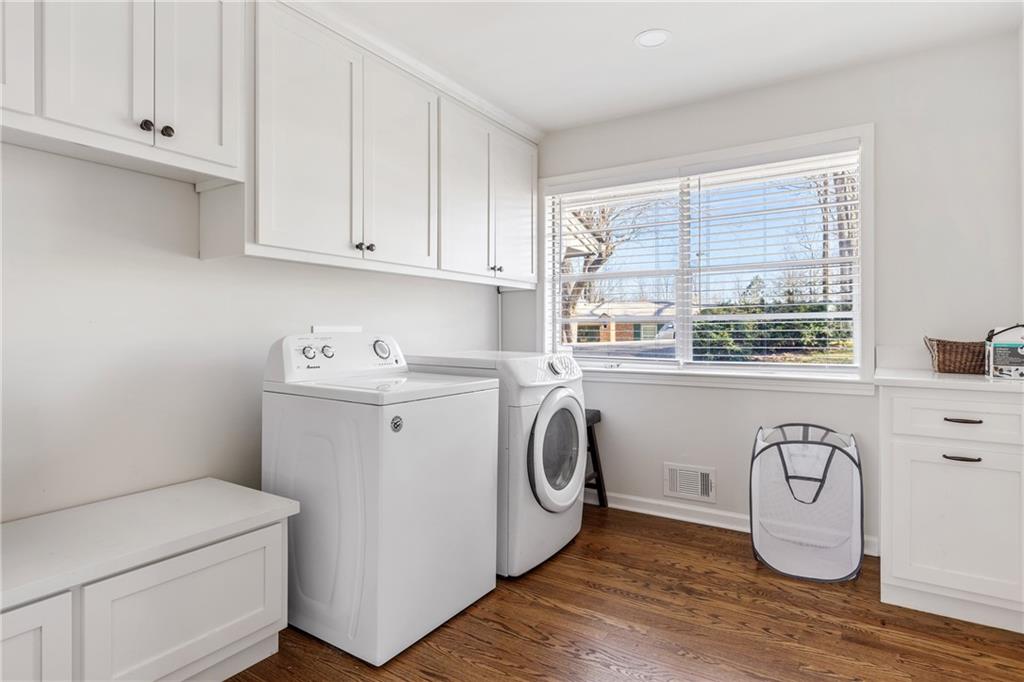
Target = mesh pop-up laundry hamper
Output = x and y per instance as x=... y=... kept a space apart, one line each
x=806 y=502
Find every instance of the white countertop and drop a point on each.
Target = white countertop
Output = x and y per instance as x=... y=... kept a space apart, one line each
x=925 y=378
x=49 y=553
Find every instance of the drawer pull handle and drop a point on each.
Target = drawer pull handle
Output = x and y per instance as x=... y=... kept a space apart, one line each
x=961 y=420
x=961 y=458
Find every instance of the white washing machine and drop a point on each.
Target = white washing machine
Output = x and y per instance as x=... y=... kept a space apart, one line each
x=397 y=478
x=542 y=458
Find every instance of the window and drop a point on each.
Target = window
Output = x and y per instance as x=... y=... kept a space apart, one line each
x=758 y=265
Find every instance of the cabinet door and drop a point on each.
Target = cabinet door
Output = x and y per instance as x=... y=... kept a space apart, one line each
x=147 y=623
x=17 y=54
x=97 y=67
x=36 y=641
x=309 y=135
x=957 y=514
x=464 y=229
x=514 y=206
x=198 y=62
x=400 y=161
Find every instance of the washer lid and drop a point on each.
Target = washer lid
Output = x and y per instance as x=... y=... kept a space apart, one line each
x=400 y=387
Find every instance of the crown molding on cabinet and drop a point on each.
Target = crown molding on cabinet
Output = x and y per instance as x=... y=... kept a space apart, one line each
x=383 y=50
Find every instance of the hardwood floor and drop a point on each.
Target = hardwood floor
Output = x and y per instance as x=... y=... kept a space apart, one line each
x=645 y=598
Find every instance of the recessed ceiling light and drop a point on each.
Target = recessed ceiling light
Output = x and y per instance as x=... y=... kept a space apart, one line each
x=652 y=37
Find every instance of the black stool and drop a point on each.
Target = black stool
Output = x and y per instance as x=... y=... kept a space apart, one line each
x=595 y=481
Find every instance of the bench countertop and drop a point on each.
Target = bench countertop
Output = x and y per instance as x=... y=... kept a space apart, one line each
x=50 y=553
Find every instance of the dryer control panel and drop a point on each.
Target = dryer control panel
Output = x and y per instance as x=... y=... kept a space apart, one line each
x=541 y=370
x=326 y=356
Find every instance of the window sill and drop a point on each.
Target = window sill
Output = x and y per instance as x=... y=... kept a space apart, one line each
x=802 y=382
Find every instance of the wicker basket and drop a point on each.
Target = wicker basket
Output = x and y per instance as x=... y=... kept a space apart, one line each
x=956 y=357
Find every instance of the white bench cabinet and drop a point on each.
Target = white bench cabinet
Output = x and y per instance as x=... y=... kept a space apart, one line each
x=952 y=483
x=179 y=582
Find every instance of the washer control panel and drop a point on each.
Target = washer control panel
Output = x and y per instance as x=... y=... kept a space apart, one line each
x=327 y=356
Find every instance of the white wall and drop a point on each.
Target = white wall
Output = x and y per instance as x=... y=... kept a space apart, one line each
x=947 y=232
x=129 y=363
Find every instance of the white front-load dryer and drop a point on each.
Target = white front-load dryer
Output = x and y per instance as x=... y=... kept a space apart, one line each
x=542 y=458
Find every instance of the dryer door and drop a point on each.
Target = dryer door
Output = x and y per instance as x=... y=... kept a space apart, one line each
x=557 y=459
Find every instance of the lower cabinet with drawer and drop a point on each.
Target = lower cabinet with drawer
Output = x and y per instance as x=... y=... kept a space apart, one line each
x=952 y=522
x=187 y=581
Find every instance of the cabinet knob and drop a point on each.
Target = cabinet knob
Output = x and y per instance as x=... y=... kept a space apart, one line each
x=500 y=268
x=361 y=246
x=146 y=125
x=167 y=131
x=371 y=247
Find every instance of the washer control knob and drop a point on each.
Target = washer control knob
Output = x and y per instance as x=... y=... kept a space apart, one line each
x=555 y=369
x=327 y=352
x=382 y=349
x=309 y=352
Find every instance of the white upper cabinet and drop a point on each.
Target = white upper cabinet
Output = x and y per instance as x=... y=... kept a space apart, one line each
x=309 y=135
x=151 y=86
x=514 y=206
x=199 y=47
x=400 y=168
x=359 y=162
x=466 y=244
x=17 y=56
x=97 y=67
x=488 y=197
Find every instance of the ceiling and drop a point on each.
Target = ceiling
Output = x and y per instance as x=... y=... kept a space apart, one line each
x=556 y=65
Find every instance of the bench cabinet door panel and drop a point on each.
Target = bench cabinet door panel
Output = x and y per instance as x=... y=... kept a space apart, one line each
x=37 y=640
x=17 y=56
x=150 y=622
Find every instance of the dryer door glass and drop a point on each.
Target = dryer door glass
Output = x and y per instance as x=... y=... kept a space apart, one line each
x=561 y=449
x=556 y=460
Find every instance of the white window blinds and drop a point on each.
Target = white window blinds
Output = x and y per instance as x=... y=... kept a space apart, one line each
x=759 y=264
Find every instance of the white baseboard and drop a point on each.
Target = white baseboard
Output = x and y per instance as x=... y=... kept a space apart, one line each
x=973 y=612
x=693 y=513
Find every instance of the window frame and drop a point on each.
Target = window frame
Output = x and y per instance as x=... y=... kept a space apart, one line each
x=855 y=379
